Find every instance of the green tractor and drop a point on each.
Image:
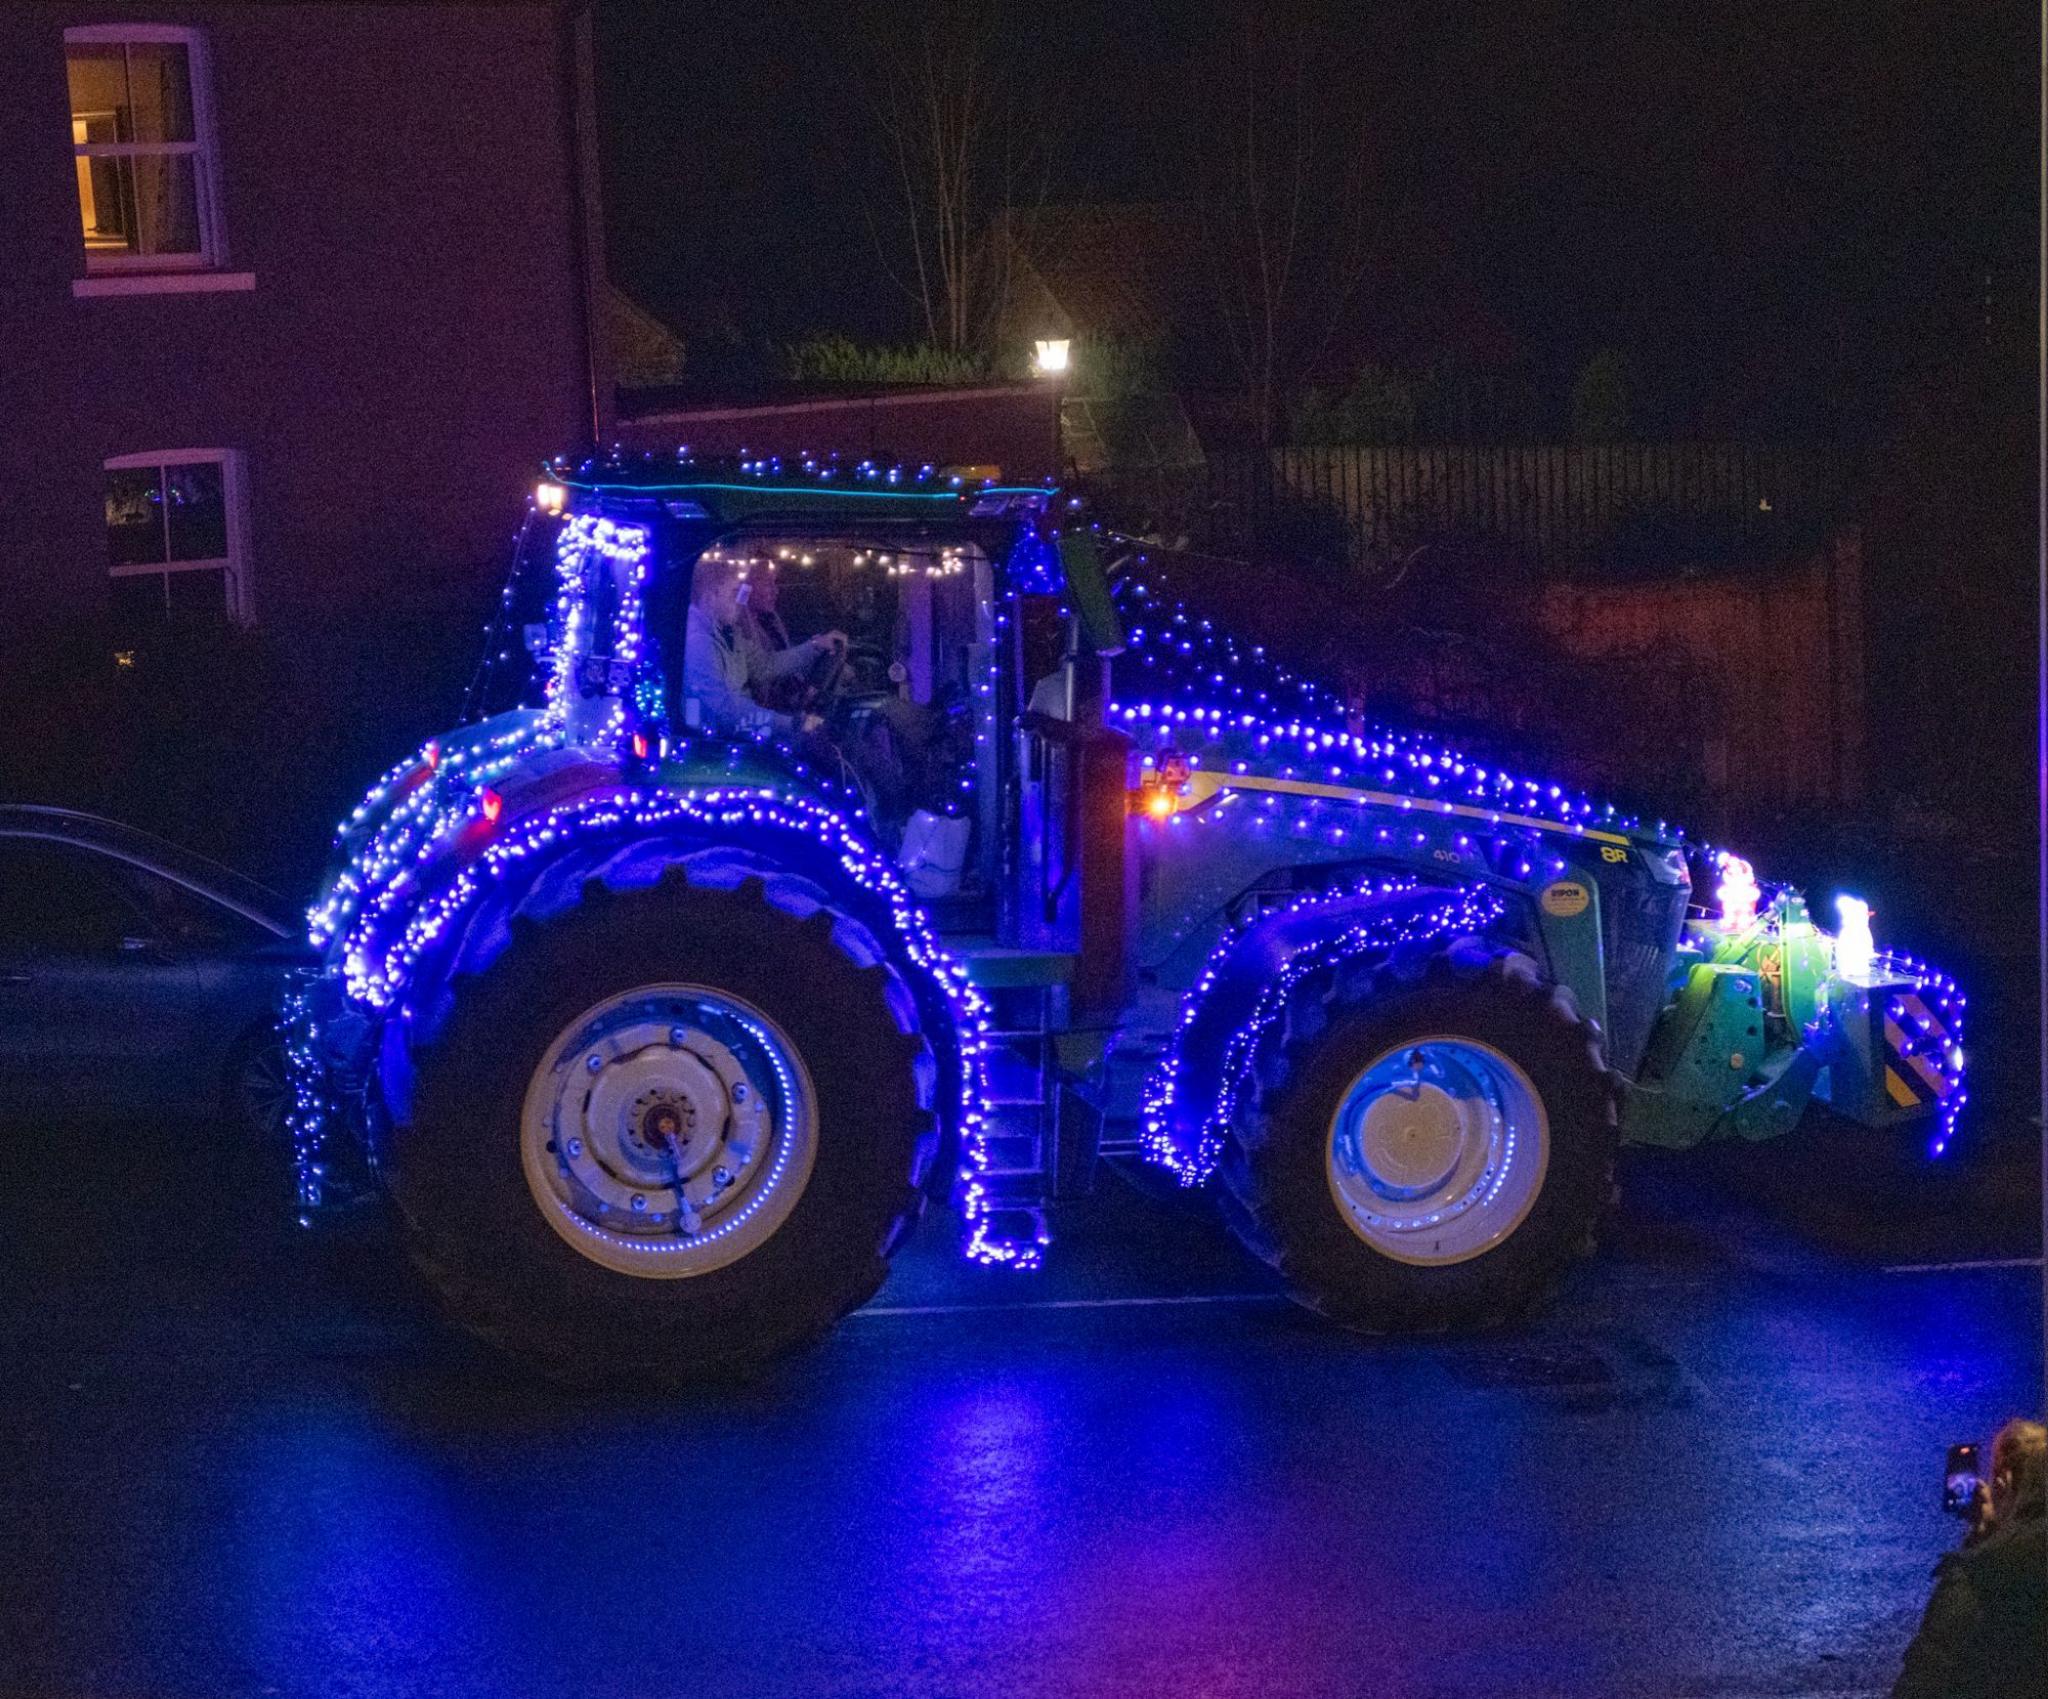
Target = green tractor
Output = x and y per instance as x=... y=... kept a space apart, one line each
x=661 y=1025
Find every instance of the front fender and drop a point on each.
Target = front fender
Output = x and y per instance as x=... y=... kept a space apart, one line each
x=1192 y=1094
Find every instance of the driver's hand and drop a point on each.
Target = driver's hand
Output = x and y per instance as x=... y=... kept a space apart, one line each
x=830 y=642
x=808 y=723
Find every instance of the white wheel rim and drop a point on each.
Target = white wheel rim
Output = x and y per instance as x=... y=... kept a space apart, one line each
x=1437 y=1150
x=669 y=1131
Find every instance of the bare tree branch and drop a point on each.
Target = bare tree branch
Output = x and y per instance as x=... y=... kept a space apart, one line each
x=961 y=140
x=1283 y=189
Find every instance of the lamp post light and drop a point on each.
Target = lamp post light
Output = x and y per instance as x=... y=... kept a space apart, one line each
x=1051 y=358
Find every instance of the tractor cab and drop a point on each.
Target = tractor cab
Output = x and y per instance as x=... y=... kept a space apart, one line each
x=934 y=648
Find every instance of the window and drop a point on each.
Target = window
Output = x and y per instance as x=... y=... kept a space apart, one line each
x=182 y=916
x=141 y=132
x=58 y=899
x=175 y=540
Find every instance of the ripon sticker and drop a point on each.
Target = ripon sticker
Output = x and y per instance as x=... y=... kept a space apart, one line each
x=1566 y=899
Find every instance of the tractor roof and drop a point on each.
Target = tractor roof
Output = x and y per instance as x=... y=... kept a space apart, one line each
x=728 y=489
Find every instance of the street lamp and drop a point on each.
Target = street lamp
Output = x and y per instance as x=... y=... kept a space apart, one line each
x=1051 y=362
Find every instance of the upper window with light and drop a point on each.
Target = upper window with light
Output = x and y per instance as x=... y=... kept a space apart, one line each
x=141 y=130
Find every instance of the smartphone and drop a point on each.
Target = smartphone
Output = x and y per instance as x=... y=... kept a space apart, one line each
x=1960 y=1480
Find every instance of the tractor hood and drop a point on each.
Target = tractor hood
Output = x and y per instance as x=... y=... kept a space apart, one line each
x=1217 y=720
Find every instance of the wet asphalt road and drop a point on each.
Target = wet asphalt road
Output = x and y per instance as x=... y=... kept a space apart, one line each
x=240 y=1465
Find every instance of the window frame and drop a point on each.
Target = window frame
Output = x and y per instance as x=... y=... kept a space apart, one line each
x=234 y=565
x=203 y=149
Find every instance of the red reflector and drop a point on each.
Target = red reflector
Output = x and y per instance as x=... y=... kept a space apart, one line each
x=494 y=804
x=432 y=755
x=640 y=746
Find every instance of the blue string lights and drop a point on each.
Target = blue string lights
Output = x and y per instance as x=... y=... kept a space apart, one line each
x=589 y=546
x=1187 y=679
x=410 y=814
x=1228 y=735
x=312 y=1107
x=868 y=477
x=1925 y=1027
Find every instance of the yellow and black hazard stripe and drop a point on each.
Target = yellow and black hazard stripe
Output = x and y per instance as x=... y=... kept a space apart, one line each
x=1918 y=1071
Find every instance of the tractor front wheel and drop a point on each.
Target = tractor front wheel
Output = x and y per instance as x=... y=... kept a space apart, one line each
x=1427 y=1148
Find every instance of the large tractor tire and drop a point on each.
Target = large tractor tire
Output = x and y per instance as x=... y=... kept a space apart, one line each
x=670 y=1134
x=1427 y=1144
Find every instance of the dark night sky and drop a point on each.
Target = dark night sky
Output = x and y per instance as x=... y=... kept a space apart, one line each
x=1753 y=198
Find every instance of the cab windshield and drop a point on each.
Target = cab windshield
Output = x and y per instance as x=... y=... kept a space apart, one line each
x=910 y=612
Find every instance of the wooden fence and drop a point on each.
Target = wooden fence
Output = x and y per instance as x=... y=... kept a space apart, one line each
x=1564 y=509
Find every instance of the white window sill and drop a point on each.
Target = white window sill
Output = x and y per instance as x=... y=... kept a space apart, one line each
x=162 y=283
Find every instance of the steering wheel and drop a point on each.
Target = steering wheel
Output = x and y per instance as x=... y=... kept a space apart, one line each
x=860 y=670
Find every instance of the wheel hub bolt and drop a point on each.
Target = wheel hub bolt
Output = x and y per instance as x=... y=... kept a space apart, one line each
x=639 y=1200
x=593 y=1061
x=676 y=1035
x=721 y=1177
x=739 y=1091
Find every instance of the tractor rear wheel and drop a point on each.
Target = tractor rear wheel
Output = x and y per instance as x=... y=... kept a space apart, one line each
x=673 y=1133
x=1427 y=1147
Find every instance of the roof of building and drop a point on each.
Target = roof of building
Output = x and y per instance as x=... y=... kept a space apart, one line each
x=1128 y=269
x=687 y=400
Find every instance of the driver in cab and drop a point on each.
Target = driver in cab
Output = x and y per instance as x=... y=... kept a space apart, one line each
x=727 y=669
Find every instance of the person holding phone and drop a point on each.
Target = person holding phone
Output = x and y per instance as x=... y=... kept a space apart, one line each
x=1985 y=1632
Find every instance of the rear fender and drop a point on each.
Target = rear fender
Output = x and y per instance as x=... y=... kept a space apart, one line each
x=793 y=878
x=804 y=855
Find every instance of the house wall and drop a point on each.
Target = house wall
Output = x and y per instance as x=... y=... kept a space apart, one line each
x=398 y=178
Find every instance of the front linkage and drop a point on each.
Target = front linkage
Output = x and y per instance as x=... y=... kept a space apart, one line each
x=1768 y=1013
